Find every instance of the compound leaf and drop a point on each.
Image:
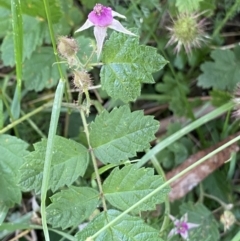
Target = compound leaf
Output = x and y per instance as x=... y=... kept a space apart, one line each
x=12 y=152
x=126 y=65
x=70 y=207
x=70 y=160
x=124 y=187
x=128 y=229
x=118 y=135
x=224 y=72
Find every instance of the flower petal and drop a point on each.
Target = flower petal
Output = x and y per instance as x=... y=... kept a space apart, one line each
x=184 y=218
x=116 y=25
x=192 y=225
x=115 y=14
x=184 y=235
x=100 y=34
x=86 y=25
x=172 y=232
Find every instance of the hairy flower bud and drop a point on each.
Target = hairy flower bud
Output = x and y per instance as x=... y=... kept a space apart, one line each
x=187 y=31
x=81 y=80
x=67 y=48
x=227 y=219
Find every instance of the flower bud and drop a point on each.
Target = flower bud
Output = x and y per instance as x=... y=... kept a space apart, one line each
x=81 y=80
x=227 y=219
x=67 y=47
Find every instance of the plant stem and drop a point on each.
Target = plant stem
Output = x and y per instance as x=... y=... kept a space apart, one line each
x=25 y=117
x=49 y=152
x=85 y=125
x=166 y=184
x=3 y=97
x=229 y=14
x=160 y=171
x=224 y=205
x=169 y=140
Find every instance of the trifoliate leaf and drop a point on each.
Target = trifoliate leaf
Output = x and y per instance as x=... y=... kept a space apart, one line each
x=72 y=206
x=199 y=214
x=188 y=5
x=126 y=65
x=39 y=71
x=128 y=229
x=124 y=187
x=12 y=152
x=224 y=72
x=118 y=135
x=69 y=161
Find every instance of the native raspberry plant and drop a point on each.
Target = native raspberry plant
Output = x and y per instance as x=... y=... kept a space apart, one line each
x=81 y=157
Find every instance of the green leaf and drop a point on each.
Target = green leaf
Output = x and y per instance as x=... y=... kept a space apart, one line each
x=70 y=160
x=236 y=237
x=39 y=71
x=1 y=112
x=3 y=212
x=5 y=21
x=86 y=49
x=36 y=8
x=128 y=229
x=33 y=34
x=126 y=65
x=124 y=187
x=72 y=206
x=12 y=152
x=176 y=92
x=188 y=5
x=199 y=214
x=118 y=135
x=224 y=72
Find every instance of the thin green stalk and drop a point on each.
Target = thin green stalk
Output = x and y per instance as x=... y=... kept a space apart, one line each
x=229 y=14
x=169 y=140
x=17 y=25
x=160 y=171
x=49 y=152
x=9 y=112
x=166 y=184
x=17 y=226
x=31 y=123
x=224 y=205
x=85 y=125
x=25 y=117
x=50 y=26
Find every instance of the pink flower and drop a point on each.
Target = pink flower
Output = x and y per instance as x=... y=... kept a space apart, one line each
x=181 y=226
x=102 y=18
